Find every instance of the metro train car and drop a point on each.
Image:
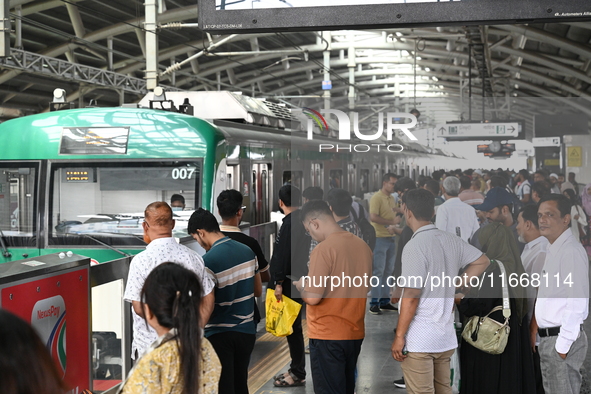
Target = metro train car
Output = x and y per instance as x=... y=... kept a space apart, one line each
x=79 y=179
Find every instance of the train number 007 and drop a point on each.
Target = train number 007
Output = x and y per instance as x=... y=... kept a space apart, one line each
x=183 y=173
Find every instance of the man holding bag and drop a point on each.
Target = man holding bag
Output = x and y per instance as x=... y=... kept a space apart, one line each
x=335 y=290
x=290 y=255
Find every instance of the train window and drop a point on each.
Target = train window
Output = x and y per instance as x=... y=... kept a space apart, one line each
x=105 y=201
x=336 y=179
x=17 y=204
x=293 y=178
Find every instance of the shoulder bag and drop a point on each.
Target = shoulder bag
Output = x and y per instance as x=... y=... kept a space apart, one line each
x=487 y=334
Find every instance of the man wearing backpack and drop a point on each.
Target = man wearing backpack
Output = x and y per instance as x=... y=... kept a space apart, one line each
x=359 y=215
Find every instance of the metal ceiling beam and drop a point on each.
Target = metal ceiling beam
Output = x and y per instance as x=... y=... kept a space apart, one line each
x=548 y=38
x=541 y=59
x=114 y=30
x=34 y=63
x=40 y=6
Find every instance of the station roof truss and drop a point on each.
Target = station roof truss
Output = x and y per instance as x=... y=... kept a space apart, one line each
x=95 y=50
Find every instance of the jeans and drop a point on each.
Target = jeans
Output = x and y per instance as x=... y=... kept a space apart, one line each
x=333 y=365
x=233 y=349
x=384 y=258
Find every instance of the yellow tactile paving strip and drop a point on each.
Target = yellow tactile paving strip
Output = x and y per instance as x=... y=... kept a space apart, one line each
x=272 y=363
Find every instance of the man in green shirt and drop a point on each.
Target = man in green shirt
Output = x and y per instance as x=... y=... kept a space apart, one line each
x=383 y=216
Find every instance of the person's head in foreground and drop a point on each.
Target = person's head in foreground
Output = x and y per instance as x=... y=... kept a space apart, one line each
x=25 y=364
x=171 y=297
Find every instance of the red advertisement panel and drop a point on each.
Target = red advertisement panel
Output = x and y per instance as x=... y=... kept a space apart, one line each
x=57 y=308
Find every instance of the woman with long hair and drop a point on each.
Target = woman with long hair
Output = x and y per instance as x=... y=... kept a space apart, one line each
x=25 y=364
x=578 y=224
x=180 y=361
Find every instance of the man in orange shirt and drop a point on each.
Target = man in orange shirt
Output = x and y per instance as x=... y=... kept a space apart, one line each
x=335 y=290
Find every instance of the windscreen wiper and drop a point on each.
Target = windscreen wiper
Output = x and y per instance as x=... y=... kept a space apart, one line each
x=100 y=243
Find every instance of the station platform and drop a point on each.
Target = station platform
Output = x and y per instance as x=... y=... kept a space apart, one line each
x=376 y=368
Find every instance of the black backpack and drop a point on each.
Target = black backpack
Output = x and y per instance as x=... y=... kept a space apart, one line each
x=368 y=232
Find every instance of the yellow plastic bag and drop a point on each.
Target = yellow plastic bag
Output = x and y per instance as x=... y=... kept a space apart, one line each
x=280 y=315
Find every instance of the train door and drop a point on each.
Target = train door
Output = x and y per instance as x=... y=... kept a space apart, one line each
x=351 y=178
x=17 y=211
x=260 y=197
x=317 y=175
x=377 y=177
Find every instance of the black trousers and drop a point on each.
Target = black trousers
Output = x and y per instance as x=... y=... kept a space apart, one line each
x=297 y=351
x=233 y=349
x=333 y=365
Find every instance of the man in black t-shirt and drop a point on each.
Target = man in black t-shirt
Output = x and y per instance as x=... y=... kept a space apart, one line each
x=230 y=208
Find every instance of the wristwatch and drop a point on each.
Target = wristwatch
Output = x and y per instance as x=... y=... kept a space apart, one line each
x=278 y=282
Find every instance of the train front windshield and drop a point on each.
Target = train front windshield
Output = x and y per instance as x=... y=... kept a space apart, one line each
x=104 y=202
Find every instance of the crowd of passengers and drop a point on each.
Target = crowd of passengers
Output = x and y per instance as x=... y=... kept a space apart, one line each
x=195 y=317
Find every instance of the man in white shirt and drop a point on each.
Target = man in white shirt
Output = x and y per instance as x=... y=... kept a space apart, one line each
x=454 y=215
x=532 y=257
x=162 y=248
x=563 y=300
x=425 y=337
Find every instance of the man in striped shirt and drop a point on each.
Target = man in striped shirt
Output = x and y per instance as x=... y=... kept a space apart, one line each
x=230 y=329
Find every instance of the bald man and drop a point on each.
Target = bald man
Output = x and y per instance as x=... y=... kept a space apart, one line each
x=162 y=248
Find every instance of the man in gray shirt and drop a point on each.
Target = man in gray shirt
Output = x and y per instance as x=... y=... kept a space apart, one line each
x=425 y=337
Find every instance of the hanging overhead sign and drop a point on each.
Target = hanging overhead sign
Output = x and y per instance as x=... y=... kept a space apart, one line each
x=483 y=131
x=542 y=142
x=298 y=15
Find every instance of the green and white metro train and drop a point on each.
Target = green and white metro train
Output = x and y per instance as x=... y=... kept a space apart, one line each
x=79 y=179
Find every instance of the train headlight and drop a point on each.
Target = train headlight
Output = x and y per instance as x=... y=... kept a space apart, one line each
x=59 y=95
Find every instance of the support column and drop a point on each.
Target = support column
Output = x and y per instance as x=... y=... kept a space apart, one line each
x=151 y=44
x=326 y=55
x=4 y=28
x=18 y=28
x=110 y=53
x=351 y=65
x=173 y=74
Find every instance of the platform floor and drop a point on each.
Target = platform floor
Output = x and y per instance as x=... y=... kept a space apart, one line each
x=377 y=369
x=376 y=373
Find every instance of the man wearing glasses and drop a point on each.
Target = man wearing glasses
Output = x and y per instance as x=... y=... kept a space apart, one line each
x=162 y=248
x=562 y=304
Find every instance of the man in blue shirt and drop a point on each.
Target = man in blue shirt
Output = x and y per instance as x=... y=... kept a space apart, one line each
x=230 y=329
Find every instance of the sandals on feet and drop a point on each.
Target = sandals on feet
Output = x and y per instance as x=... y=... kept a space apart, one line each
x=283 y=380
